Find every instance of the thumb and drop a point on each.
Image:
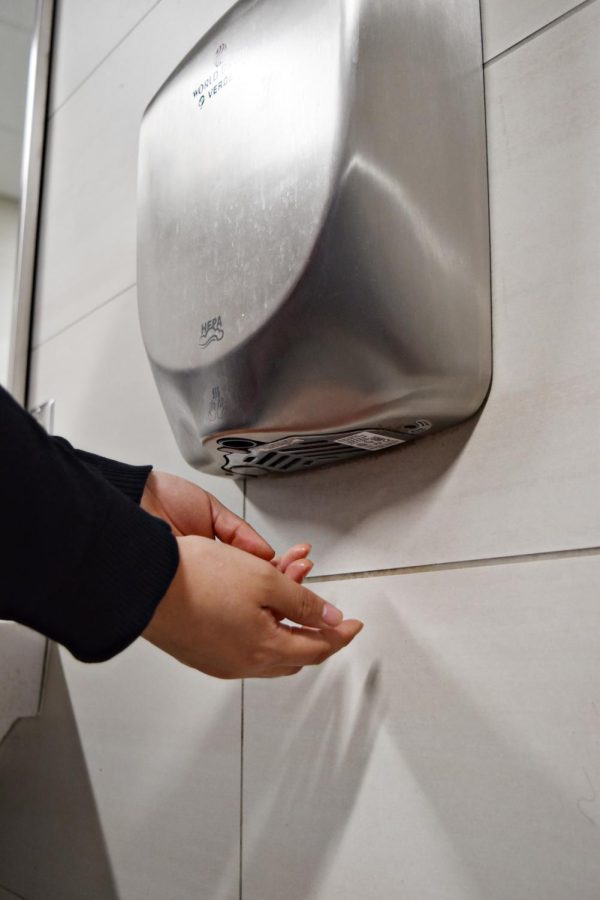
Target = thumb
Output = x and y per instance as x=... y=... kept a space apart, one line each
x=302 y=606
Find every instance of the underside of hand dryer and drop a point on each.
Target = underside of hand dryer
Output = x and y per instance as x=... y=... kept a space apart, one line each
x=313 y=259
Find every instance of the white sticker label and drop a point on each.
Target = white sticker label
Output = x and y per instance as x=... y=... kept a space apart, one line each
x=367 y=440
x=283 y=444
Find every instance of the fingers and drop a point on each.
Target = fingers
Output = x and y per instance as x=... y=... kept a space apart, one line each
x=230 y=529
x=298 y=570
x=302 y=606
x=294 y=563
x=297 y=552
x=221 y=615
x=305 y=647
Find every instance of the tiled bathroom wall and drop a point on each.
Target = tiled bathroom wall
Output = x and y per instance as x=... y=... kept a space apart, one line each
x=454 y=751
x=524 y=477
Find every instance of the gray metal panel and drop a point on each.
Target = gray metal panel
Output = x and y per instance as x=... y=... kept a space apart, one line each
x=31 y=182
x=313 y=225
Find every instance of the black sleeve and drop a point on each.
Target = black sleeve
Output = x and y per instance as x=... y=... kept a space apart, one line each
x=130 y=480
x=81 y=563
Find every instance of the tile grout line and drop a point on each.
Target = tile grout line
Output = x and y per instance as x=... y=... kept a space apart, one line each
x=507 y=560
x=460 y=564
x=26 y=29
x=84 y=316
x=241 y=824
x=493 y=59
x=103 y=60
x=491 y=248
x=538 y=32
x=12 y=893
x=487 y=62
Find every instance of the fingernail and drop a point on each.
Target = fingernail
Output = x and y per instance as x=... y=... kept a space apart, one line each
x=331 y=615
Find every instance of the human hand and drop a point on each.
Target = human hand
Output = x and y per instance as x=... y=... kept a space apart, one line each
x=294 y=562
x=190 y=510
x=222 y=615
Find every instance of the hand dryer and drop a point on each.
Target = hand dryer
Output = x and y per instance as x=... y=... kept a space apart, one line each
x=313 y=234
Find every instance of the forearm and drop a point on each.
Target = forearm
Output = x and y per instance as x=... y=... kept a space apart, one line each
x=81 y=562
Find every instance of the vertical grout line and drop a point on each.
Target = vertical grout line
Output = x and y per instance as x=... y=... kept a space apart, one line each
x=241 y=789
x=489 y=212
x=241 y=824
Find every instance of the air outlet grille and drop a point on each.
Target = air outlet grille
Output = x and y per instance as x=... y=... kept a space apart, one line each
x=245 y=456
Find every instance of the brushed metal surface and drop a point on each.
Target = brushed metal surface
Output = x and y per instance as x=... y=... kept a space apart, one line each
x=313 y=226
x=34 y=137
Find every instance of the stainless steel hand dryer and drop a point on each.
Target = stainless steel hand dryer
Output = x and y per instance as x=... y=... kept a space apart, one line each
x=313 y=260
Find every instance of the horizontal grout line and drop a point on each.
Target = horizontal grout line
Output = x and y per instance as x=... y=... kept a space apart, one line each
x=27 y=29
x=460 y=564
x=104 y=58
x=84 y=316
x=537 y=32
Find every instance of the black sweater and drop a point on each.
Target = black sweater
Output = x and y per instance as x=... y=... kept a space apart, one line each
x=80 y=561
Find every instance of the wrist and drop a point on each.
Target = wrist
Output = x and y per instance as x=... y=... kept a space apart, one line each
x=175 y=596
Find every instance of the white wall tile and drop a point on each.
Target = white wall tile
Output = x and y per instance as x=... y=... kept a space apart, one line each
x=22 y=653
x=162 y=746
x=88 y=251
x=51 y=846
x=20 y=13
x=85 y=33
x=525 y=477
x=9 y=234
x=451 y=752
x=14 y=60
x=160 y=743
x=10 y=169
x=505 y=22
x=106 y=399
x=126 y=786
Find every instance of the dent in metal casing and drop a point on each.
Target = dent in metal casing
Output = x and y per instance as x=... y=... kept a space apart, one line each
x=313 y=225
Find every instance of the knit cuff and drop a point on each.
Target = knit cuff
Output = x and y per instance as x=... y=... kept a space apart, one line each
x=130 y=480
x=123 y=578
